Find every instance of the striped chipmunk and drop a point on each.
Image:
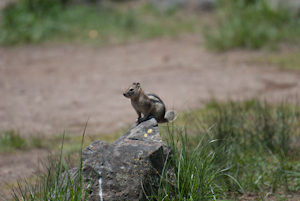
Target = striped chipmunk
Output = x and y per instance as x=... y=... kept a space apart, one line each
x=148 y=104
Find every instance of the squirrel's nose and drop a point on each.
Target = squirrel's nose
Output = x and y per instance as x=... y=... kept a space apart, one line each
x=124 y=94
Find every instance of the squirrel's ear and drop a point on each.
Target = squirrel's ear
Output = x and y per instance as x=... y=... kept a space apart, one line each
x=138 y=85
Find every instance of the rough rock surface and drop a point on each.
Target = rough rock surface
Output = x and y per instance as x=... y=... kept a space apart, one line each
x=117 y=171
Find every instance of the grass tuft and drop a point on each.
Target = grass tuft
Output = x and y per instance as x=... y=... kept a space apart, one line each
x=197 y=173
x=10 y=140
x=55 y=182
x=255 y=144
x=252 y=25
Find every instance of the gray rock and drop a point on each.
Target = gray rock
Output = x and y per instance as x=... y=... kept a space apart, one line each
x=120 y=170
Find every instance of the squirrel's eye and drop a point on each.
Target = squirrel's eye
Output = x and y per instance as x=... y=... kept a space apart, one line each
x=131 y=89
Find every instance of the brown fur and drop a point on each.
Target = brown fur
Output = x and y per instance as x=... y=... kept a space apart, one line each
x=148 y=104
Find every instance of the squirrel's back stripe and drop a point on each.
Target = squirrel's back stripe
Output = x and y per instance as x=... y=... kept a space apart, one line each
x=154 y=97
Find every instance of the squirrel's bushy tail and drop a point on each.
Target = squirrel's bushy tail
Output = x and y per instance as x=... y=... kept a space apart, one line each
x=170 y=116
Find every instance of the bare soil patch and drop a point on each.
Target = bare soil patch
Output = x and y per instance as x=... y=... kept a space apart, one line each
x=47 y=89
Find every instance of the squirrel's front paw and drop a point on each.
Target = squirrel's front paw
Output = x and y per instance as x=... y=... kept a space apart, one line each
x=138 y=121
x=150 y=117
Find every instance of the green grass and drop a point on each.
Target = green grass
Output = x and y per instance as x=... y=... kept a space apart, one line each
x=256 y=143
x=197 y=173
x=259 y=149
x=224 y=151
x=252 y=25
x=10 y=140
x=235 y=24
x=29 y=21
x=49 y=185
x=112 y=24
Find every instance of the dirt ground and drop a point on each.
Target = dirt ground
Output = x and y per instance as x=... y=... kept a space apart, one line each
x=3 y=3
x=47 y=89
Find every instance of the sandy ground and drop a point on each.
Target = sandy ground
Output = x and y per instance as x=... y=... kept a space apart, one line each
x=47 y=89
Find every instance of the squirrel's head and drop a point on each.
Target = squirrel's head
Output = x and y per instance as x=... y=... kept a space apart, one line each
x=133 y=91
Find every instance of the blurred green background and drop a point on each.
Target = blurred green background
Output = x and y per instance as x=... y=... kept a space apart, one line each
x=224 y=24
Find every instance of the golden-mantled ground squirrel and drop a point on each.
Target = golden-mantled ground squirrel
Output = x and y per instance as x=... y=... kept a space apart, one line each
x=148 y=104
